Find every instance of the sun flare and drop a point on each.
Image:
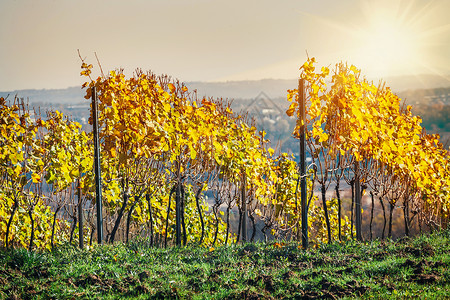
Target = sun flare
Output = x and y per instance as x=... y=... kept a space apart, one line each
x=384 y=37
x=391 y=41
x=388 y=48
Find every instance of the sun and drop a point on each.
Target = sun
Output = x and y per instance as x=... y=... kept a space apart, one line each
x=384 y=38
x=391 y=41
x=388 y=48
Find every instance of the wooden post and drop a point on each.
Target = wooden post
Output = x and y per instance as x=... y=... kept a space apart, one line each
x=358 y=203
x=80 y=217
x=97 y=170
x=244 y=207
x=178 y=205
x=304 y=204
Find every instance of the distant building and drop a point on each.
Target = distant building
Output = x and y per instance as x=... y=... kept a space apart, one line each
x=265 y=111
x=272 y=119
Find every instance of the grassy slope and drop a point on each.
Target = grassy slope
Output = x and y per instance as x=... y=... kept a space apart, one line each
x=416 y=268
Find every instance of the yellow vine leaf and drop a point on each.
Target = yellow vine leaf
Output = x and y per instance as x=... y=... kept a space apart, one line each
x=35 y=178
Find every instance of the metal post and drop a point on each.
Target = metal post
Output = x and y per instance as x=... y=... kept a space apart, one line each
x=244 y=207
x=304 y=204
x=97 y=170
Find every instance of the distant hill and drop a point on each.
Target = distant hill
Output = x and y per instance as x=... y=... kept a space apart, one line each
x=50 y=96
x=249 y=89
x=265 y=102
x=403 y=83
x=275 y=88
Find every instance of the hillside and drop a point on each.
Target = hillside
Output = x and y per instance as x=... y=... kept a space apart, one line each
x=409 y=268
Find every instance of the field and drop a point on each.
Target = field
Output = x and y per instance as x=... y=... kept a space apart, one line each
x=406 y=268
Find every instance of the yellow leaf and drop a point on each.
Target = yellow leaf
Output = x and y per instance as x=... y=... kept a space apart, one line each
x=323 y=137
x=113 y=152
x=36 y=178
x=217 y=146
x=138 y=210
x=193 y=153
x=75 y=173
x=315 y=89
x=18 y=169
x=354 y=69
x=166 y=147
x=166 y=107
x=171 y=88
x=291 y=109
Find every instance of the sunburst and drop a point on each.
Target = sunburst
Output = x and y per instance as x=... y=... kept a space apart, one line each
x=392 y=37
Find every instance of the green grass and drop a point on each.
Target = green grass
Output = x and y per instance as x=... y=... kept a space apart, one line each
x=409 y=268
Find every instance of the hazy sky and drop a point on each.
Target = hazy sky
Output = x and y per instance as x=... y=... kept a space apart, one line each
x=199 y=40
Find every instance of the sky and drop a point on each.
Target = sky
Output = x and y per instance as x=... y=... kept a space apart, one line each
x=200 y=40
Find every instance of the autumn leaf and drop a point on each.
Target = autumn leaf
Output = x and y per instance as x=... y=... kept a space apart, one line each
x=171 y=88
x=291 y=109
x=35 y=178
